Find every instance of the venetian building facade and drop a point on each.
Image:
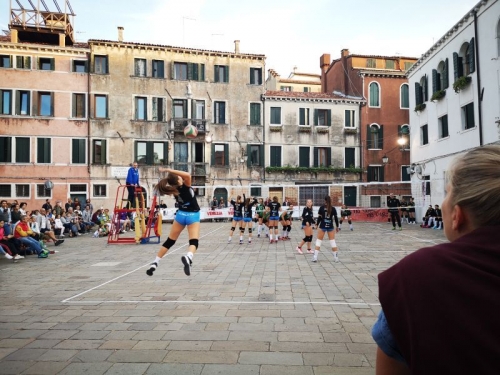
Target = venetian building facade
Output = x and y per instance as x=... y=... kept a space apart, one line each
x=296 y=82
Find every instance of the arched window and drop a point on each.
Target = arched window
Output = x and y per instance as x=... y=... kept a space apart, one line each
x=405 y=96
x=442 y=71
x=374 y=94
x=404 y=137
x=375 y=137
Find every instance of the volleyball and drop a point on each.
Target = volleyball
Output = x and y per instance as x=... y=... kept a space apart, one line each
x=190 y=131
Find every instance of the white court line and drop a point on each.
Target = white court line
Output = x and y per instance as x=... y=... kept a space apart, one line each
x=234 y=302
x=128 y=273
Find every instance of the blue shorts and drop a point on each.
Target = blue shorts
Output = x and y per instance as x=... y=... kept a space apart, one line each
x=187 y=218
x=274 y=218
x=237 y=218
x=247 y=219
x=326 y=229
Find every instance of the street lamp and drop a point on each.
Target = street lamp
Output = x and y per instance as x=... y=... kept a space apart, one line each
x=401 y=142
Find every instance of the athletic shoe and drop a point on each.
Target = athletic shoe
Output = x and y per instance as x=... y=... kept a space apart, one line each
x=310 y=251
x=152 y=268
x=352 y=229
x=241 y=242
x=58 y=242
x=187 y=264
x=393 y=228
x=299 y=250
x=336 y=257
x=258 y=235
x=43 y=255
x=228 y=241
x=18 y=257
x=314 y=259
x=8 y=256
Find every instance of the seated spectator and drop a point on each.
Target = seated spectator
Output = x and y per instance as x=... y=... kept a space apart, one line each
x=23 y=206
x=428 y=219
x=69 y=224
x=106 y=219
x=124 y=222
x=47 y=206
x=438 y=219
x=45 y=227
x=87 y=219
x=5 y=216
x=214 y=204
x=10 y=243
x=58 y=226
x=24 y=234
x=222 y=204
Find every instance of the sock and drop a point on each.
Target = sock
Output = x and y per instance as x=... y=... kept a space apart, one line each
x=260 y=229
x=316 y=252
x=229 y=239
x=335 y=253
x=241 y=238
x=190 y=255
x=350 y=226
x=157 y=260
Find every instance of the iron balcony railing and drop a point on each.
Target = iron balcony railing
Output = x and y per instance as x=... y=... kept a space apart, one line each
x=195 y=169
x=178 y=124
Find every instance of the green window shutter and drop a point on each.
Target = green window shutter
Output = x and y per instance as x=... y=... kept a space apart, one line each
x=261 y=155
x=446 y=82
x=190 y=71
x=304 y=157
x=226 y=154
x=347 y=118
x=52 y=64
x=27 y=62
x=302 y=116
x=456 y=66
x=329 y=117
x=52 y=104
x=193 y=108
x=23 y=150
x=212 y=156
x=106 y=60
x=161 y=69
x=19 y=61
x=86 y=66
x=74 y=153
x=75 y=111
x=40 y=150
x=196 y=71
x=249 y=155
x=315 y=117
x=226 y=74
x=103 y=151
x=381 y=174
x=202 y=72
x=38 y=63
x=434 y=81
x=172 y=70
x=418 y=99
x=136 y=68
x=472 y=61
x=368 y=137
x=424 y=89
x=328 y=156
x=316 y=157
x=5 y=149
x=381 y=137
x=216 y=73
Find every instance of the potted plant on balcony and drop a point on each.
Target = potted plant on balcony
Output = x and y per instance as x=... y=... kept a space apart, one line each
x=419 y=107
x=461 y=83
x=438 y=95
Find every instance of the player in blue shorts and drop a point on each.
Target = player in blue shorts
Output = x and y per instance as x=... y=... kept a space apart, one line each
x=327 y=217
x=237 y=216
x=274 y=217
x=247 y=218
x=178 y=184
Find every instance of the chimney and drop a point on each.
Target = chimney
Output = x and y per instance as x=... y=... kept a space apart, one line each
x=120 y=33
x=324 y=61
x=236 y=46
x=344 y=52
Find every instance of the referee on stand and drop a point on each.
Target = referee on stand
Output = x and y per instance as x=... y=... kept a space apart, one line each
x=393 y=204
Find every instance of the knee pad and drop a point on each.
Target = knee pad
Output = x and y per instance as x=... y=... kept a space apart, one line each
x=349 y=221
x=249 y=230
x=333 y=243
x=242 y=230
x=255 y=220
x=305 y=238
x=309 y=238
x=318 y=243
x=233 y=228
x=169 y=243
x=194 y=242
x=289 y=228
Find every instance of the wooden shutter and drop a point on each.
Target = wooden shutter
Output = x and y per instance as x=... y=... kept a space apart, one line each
x=369 y=139
x=302 y=116
x=172 y=70
x=328 y=156
x=315 y=117
x=329 y=117
x=161 y=69
x=457 y=66
x=425 y=89
x=22 y=150
x=196 y=72
x=19 y=62
x=193 y=108
x=418 y=99
x=316 y=157
x=304 y=157
x=226 y=154
x=103 y=152
x=251 y=76
x=435 y=82
x=347 y=118
x=249 y=155
x=190 y=71
x=52 y=64
x=212 y=156
x=226 y=74
x=261 y=155
x=472 y=60
x=202 y=72
x=216 y=73
x=446 y=82
x=381 y=174
x=381 y=137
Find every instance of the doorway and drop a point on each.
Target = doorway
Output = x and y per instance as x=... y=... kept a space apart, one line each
x=350 y=195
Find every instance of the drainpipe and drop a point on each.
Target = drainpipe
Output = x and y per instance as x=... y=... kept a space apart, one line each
x=478 y=75
x=89 y=143
x=264 y=136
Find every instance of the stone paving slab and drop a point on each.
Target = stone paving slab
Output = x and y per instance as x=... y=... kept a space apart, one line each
x=246 y=309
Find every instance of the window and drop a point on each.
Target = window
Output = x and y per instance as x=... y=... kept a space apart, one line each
x=408 y=65
x=151 y=153
x=141 y=108
x=180 y=71
x=275 y=116
x=46 y=104
x=78 y=151
x=304 y=116
x=5 y=61
x=23 y=62
x=440 y=77
x=22 y=103
x=349 y=118
x=22 y=150
x=307 y=89
x=256 y=76
x=375 y=201
x=424 y=135
x=275 y=156
x=5 y=150
x=180 y=108
x=322 y=117
x=374 y=94
x=255 y=155
x=316 y=193
x=464 y=61
x=405 y=96
x=389 y=64
x=187 y=71
x=220 y=155
x=286 y=88
x=100 y=106
x=45 y=63
x=375 y=136
x=42 y=192
x=371 y=63
x=78 y=106
x=405 y=176
x=219 y=113
x=404 y=133
x=22 y=190
x=101 y=64
x=349 y=157
x=158 y=68
x=140 y=67
x=375 y=173
x=43 y=150
x=468 y=116
x=5 y=190
x=443 y=126
x=198 y=109
x=255 y=114
x=322 y=156
x=421 y=92
x=99 y=190
x=255 y=191
x=304 y=157
x=221 y=73
x=99 y=151
x=5 y=102
x=158 y=109
x=80 y=66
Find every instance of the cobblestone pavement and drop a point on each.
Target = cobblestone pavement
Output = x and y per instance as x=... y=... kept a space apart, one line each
x=245 y=309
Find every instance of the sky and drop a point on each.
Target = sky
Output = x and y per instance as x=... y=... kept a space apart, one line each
x=290 y=33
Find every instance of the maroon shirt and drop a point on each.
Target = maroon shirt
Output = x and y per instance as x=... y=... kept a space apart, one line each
x=442 y=304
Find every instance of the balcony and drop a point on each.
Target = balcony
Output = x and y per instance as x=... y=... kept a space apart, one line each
x=178 y=124
x=195 y=169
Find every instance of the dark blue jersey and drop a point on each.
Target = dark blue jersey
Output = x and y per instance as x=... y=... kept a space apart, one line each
x=275 y=209
x=238 y=208
x=307 y=216
x=325 y=220
x=186 y=200
x=248 y=210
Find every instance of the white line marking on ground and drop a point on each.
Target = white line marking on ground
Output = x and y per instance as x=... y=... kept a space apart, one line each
x=235 y=302
x=128 y=273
